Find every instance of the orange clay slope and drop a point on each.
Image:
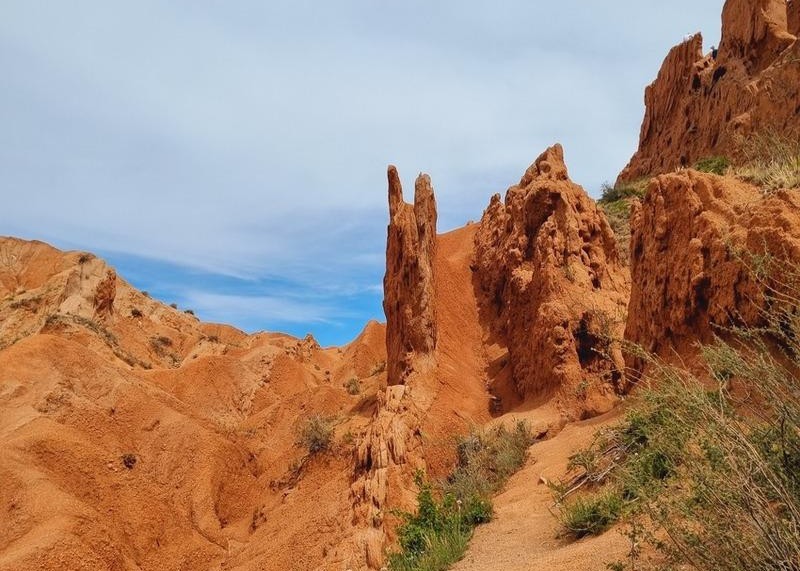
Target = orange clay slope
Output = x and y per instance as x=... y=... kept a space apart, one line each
x=133 y=436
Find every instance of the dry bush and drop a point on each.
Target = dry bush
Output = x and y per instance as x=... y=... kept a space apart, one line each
x=316 y=434
x=353 y=386
x=769 y=160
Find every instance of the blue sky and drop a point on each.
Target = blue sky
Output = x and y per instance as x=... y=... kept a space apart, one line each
x=231 y=156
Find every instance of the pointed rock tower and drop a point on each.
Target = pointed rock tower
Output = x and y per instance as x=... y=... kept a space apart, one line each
x=551 y=280
x=408 y=284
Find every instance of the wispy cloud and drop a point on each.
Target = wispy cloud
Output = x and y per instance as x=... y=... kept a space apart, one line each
x=278 y=309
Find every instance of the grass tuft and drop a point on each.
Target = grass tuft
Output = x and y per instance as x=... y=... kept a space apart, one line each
x=770 y=160
x=713 y=165
x=591 y=515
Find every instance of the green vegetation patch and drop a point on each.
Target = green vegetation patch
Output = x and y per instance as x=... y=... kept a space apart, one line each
x=770 y=160
x=714 y=165
x=437 y=534
x=622 y=190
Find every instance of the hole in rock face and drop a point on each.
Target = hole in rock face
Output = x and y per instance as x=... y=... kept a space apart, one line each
x=719 y=73
x=696 y=82
x=589 y=344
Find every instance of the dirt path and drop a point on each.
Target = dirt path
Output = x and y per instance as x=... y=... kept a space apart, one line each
x=524 y=534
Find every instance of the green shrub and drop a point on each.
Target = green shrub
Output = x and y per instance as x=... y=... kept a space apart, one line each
x=623 y=190
x=591 y=515
x=714 y=165
x=616 y=204
x=316 y=434
x=709 y=466
x=436 y=536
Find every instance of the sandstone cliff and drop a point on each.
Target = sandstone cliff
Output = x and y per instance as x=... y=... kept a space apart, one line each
x=552 y=286
x=700 y=106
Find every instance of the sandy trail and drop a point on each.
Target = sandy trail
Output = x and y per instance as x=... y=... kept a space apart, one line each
x=524 y=533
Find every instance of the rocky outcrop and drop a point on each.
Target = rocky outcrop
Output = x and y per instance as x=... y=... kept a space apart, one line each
x=754 y=33
x=692 y=240
x=104 y=294
x=793 y=17
x=552 y=286
x=408 y=283
x=701 y=106
x=382 y=457
x=388 y=453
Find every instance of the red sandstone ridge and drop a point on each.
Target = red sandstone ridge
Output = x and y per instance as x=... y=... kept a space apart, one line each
x=552 y=286
x=408 y=283
x=699 y=106
x=688 y=271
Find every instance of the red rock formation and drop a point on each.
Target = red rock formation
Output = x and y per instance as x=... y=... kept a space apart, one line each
x=408 y=283
x=552 y=282
x=687 y=269
x=754 y=33
x=793 y=17
x=105 y=293
x=699 y=107
x=381 y=459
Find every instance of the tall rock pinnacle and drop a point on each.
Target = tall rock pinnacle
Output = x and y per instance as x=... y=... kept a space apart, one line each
x=408 y=284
